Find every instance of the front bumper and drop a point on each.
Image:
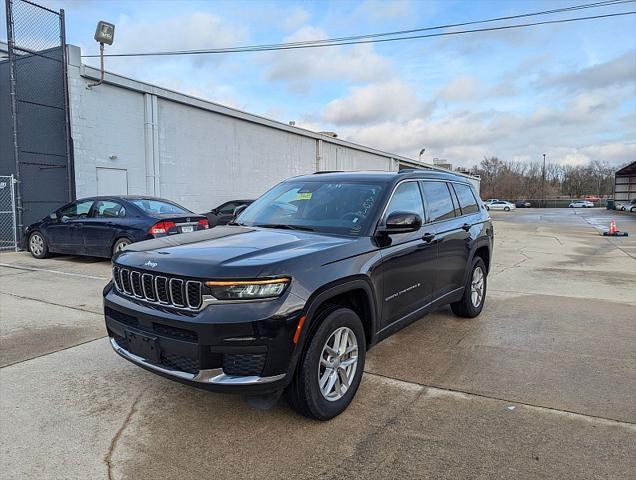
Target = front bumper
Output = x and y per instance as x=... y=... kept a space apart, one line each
x=214 y=349
x=214 y=376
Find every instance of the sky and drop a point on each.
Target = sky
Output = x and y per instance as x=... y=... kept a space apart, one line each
x=566 y=90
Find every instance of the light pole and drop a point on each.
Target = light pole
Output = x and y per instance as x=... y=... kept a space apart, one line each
x=420 y=155
x=104 y=35
x=543 y=182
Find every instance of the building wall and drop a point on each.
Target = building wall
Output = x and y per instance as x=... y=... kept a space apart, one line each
x=107 y=125
x=206 y=158
x=194 y=152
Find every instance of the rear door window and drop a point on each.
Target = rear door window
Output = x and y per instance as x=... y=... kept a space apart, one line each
x=467 y=201
x=228 y=208
x=439 y=202
x=109 y=209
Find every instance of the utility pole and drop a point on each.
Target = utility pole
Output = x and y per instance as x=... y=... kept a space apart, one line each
x=543 y=182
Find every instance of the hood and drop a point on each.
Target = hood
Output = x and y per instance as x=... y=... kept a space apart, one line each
x=228 y=251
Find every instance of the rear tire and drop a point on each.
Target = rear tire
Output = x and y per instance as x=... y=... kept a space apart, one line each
x=474 y=296
x=120 y=245
x=38 y=246
x=507 y=209
x=330 y=367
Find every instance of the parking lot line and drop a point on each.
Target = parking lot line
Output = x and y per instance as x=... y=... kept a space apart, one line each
x=34 y=269
x=436 y=389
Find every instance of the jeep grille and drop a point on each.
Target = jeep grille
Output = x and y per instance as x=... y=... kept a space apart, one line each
x=159 y=289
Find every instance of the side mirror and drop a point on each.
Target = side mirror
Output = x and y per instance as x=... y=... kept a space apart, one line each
x=401 y=222
x=237 y=211
x=53 y=216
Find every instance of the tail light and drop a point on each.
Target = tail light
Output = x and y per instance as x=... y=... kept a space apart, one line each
x=203 y=223
x=161 y=228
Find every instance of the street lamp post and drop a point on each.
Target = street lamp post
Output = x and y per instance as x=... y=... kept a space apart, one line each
x=420 y=155
x=543 y=182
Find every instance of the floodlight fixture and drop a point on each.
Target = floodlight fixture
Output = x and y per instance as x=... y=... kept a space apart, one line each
x=104 y=34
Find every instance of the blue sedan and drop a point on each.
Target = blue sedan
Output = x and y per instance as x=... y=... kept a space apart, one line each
x=102 y=226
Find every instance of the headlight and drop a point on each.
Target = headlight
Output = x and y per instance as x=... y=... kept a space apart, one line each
x=247 y=289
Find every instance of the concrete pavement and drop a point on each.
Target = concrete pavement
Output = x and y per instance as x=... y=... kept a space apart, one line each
x=541 y=385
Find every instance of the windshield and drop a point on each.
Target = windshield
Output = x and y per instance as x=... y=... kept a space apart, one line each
x=159 y=207
x=331 y=207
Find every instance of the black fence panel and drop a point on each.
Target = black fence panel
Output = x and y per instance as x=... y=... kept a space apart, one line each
x=33 y=87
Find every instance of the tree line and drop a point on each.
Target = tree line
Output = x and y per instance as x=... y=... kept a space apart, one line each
x=524 y=180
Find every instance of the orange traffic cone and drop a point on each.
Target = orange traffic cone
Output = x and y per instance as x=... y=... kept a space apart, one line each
x=613 y=231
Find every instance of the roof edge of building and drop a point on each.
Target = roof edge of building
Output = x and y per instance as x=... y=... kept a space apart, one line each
x=88 y=72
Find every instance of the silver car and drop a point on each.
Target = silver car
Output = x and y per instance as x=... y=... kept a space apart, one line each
x=581 y=204
x=627 y=206
x=500 y=205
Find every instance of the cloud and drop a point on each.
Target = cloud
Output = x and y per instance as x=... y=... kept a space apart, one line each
x=372 y=103
x=295 y=18
x=196 y=30
x=581 y=129
x=464 y=87
x=300 y=68
x=618 y=71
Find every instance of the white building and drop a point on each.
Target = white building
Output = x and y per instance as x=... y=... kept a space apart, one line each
x=131 y=137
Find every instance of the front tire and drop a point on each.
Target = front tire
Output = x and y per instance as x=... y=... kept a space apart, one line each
x=38 y=246
x=331 y=365
x=474 y=297
x=507 y=209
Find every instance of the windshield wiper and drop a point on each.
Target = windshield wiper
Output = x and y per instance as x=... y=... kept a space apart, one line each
x=283 y=226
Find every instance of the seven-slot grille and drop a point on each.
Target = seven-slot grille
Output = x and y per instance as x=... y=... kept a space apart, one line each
x=160 y=289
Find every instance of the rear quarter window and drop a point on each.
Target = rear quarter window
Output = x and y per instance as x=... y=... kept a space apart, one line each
x=467 y=201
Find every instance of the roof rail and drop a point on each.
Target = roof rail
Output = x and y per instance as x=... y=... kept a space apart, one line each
x=319 y=172
x=413 y=169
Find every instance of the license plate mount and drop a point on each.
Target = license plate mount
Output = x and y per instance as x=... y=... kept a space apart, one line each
x=144 y=346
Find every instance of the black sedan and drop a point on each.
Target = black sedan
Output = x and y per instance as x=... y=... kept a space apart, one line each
x=224 y=213
x=101 y=226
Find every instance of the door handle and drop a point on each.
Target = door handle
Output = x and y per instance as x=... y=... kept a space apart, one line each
x=466 y=227
x=428 y=237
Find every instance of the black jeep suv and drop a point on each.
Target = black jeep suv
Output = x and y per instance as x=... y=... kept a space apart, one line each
x=308 y=277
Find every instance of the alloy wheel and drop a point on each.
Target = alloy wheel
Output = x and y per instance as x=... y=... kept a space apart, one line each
x=121 y=245
x=338 y=364
x=36 y=244
x=477 y=287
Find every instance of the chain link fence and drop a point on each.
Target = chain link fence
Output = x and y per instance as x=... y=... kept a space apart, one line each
x=8 y=232
x=38 y=150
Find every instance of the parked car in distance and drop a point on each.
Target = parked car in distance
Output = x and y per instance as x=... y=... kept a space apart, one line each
x=500 y=205
x=523 y=204
x=581 y=204
x=224 y=213
x=306 y=279
x=591 y=198
x=103 y=226
x=628 y=206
